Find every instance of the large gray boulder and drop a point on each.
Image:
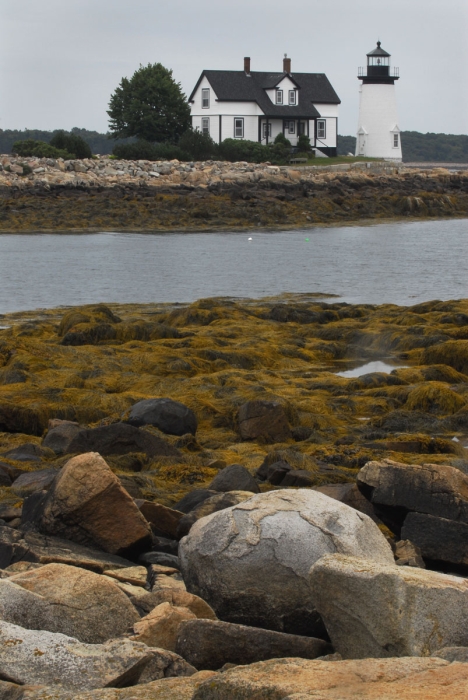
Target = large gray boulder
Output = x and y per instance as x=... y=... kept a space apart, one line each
x=120 y=439
x=69 y=600
x=44 y=658
x=251 y=562
x=171 y=417
x=372 y=609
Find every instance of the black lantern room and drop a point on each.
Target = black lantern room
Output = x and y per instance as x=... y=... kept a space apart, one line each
x=378 y=67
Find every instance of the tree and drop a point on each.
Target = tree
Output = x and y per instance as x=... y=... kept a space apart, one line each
x=71 y=143
x=150 y=105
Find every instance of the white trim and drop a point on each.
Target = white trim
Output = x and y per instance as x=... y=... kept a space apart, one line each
x=205 y=98
x=321 y=128
x=293 y=97
x=205 y=125
x=239 y=127
x=279 y=94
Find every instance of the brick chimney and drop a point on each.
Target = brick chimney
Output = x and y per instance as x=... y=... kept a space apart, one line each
x=247 y=65
x=286 y=64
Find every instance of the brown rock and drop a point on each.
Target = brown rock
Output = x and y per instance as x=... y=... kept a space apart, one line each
x=407 y=554
x=159 y=628
x=369 y=679
x=183 y=599
x=263 y=420
x=135 y=575
x=69 y=600
x=164 y=519
x=60 y=434
x=87 y=504
x=208 y=644
x=33 y=547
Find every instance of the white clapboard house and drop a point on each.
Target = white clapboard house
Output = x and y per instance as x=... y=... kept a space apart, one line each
x=257 y=106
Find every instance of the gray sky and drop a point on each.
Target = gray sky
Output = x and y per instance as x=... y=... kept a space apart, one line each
x=60 y=60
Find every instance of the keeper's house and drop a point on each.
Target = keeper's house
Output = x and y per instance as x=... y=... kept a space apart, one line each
x=258 y=106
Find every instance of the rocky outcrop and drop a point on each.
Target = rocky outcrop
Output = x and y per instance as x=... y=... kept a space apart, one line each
x=214 y=195
x=208 y=644
x=376 y=610
x=169 y=416
x=160 y=627
x=69 y=600
x=426 y=504
x=373 y=679
x=86 y=504
x=251 y=562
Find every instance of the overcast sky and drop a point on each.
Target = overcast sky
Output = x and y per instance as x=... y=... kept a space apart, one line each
x=60 y=60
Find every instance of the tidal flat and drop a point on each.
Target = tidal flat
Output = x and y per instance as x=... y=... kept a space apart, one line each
x=91 y=364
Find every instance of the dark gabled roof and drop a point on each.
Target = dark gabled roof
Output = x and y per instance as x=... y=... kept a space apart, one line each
x=378 y=51
x=237 y=86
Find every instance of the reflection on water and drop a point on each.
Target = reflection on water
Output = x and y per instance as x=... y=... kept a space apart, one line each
x=377 y=366
x=400 y=263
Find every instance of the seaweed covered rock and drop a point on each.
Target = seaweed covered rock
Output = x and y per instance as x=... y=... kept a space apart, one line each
x=59 y=437
x=87 y=504
x=251 y=562
x=69 y=600
x=265 y=421
x=171 y=417
x=235 y=477
x=379 y=610
x=120 y=439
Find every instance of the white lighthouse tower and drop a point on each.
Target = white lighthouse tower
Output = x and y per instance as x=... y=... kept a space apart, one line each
x=378 y=133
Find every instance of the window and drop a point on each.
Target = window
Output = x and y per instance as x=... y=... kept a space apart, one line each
x=205 y=126
x=238 y=128
x=290 y=126
x=321 y=129
x=266 y=130
x=395 y=141
x=292 y=97
x=205 y=98
x=279 y=97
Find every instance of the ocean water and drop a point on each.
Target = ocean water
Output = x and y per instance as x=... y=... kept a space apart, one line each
x=401 y=263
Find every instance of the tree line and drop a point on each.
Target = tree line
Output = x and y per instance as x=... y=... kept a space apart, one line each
x=419 y=148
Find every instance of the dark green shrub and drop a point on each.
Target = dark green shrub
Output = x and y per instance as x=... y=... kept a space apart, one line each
x=71 y=143
x=144 y=150
x=235 y=150
x=303 y=143
x=282 y=140
x=199 y=146
x=39 y=149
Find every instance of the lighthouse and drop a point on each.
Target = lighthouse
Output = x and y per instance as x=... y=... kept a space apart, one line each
x=378 y=133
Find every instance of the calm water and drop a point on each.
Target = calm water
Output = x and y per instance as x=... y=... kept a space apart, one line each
x=402 y=263
x=369 y=367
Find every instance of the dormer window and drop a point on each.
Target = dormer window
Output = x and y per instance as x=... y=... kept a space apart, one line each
x=205 y=98
x=279 y=97
x=292 y=97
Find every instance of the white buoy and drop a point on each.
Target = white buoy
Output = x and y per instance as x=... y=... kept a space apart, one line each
x=249 y=239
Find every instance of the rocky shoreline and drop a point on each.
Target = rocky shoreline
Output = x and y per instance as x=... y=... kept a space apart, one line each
x=102 y=193
x=195 y=505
